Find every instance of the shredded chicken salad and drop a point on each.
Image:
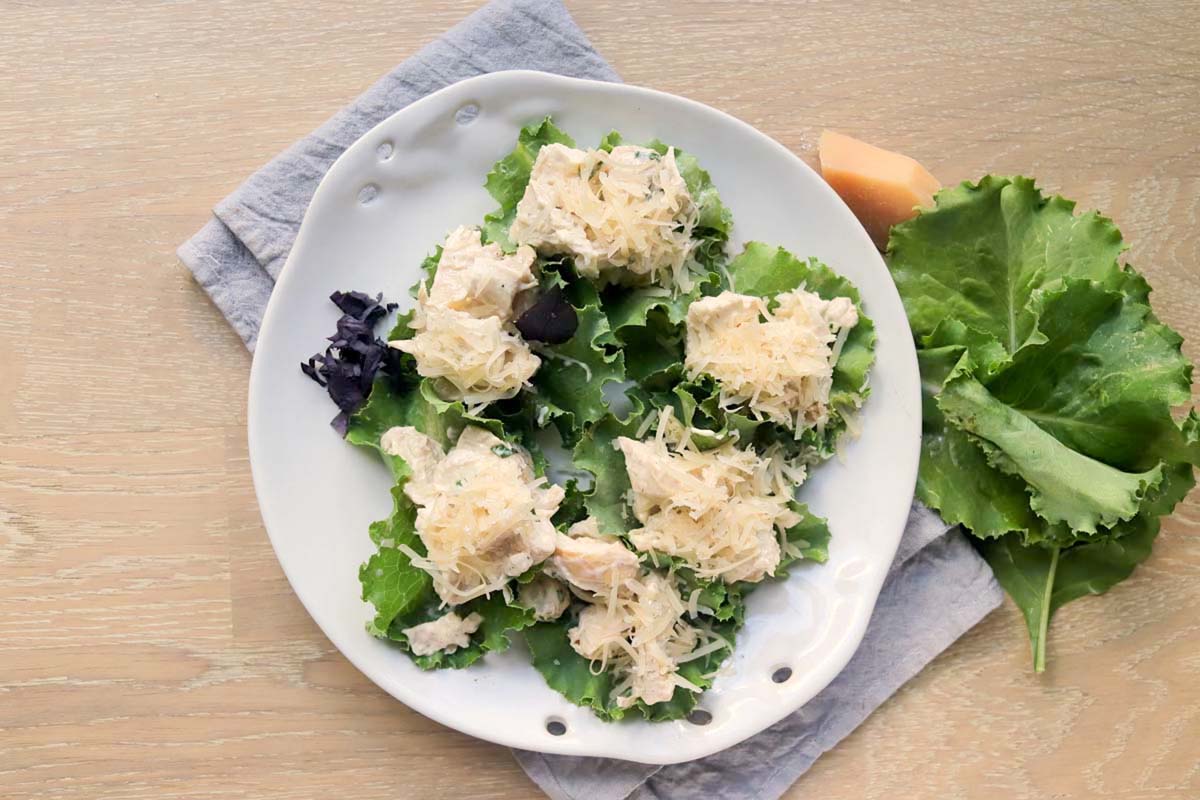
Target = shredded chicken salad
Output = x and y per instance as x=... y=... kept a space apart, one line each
x=626 y=573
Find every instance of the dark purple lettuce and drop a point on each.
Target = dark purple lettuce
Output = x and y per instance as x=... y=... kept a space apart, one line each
x=349 y=364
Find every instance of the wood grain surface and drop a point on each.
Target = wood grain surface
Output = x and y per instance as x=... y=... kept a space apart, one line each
x=149 y=644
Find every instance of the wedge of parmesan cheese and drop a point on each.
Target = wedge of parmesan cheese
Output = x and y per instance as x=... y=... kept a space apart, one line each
x=483 y=516
x=882 y=188
x=778 y=363
x=464 y=338
x=625 y=216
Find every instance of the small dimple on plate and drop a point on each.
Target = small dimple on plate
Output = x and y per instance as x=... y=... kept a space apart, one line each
x=849 y=575
x=368 y=193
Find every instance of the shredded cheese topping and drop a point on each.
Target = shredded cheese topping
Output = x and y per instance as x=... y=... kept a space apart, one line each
x=778 y=363
x=626 y=216
x=448 y=632
x=633 y=623
x=638 y=631
x=484 y=517
x=723 y=511
x=463 y=323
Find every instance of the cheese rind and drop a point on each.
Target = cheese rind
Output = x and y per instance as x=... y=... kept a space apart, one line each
x=882 y=188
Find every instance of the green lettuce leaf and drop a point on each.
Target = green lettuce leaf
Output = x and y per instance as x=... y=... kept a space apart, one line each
x=500 y=621
x=653 y=350
x=955 y=478
x=765 y=271
x=571 y=382
x=1104 y=381
x=985 y=250
x=1048 y=384
x=389 y=581
x=413 y=404
x=1065 y=485
x=810 y=535
x=596 y=453
x=1043 y=578
x=569 y=673
x=402 y=593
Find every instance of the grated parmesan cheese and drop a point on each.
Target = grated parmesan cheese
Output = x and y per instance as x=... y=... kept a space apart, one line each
x=463 y=323
x=484 y=518
x=778 y=363
x=625 y=216
x=721 y=510
x=637 y=631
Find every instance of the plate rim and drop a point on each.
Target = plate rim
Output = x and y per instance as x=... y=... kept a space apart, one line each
x=476 y=727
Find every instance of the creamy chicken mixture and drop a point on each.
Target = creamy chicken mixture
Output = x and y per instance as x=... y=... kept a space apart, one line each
x=593 y=564
x=464 y=338
x=546 y=597
x=723 y=511
x=483 y=516
x=625 y=216
x=777 y=362
x=448 y=632
x=633 y=623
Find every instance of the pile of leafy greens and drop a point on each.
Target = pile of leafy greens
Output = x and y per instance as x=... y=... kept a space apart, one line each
x=1048 y=391
x=612 y=356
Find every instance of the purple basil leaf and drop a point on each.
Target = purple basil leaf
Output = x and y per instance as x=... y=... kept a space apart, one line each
x=551 y=318
x=348 y=366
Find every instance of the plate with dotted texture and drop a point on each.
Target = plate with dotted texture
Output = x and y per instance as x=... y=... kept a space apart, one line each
x=383 y=206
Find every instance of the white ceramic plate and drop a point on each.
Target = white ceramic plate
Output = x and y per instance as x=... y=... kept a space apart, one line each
x=383 y=206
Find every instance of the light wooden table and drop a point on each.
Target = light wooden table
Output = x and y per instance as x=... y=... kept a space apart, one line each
x=149 y=645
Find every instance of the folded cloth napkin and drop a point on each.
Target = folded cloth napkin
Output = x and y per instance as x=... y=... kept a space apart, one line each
x=937 y=589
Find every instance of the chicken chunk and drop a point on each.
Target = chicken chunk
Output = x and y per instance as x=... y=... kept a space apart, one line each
x=596 y=631
x=659 y=480
x=463 y=337
x=480 y=279
x=638 y=631
x=483 y=516
x=624 y=215
x=546 y=597
x=419 y=452
x=593 y=565
x=446 y=633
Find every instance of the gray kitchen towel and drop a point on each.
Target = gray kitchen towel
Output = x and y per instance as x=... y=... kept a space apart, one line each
x=937 y=589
